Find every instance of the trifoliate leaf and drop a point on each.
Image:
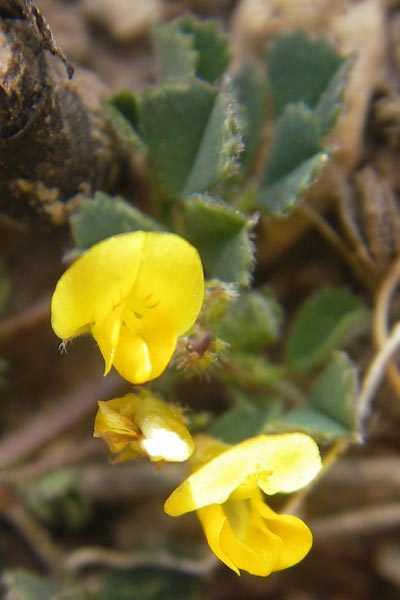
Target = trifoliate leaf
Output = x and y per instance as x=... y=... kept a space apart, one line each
x=300 y=69
x=192 y=134
x=330 y=318
x=251 y=91
x=22 y=585
x=295 y=158
x=188 y=47
x=331 y=412
x=222 y=238
x=150 y=584
x=103 y=216
x=252 y=322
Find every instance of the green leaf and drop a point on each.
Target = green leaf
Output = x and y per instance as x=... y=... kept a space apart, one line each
x=331 y=413
x=251 y=372
x=122 y=111
x=211 y=46
x=283 y=196
x=222 y=238
x=192 y=134
x=300 y=69
x=330 y=318
x=297 y=137
x=251 y=91
x=310 y=421
x=247 y=419
x=294 y=160
x=22 y=585
x=334 y=392
x=252 y=322
x=103 y=216
x=176 y=56
x=330 y=103
x=150 y=584
x=126 y=103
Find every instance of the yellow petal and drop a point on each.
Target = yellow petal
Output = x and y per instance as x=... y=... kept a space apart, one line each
x=213 y=520
x=107 y=334
x=95 y=283
x=276 y=463
x=143 y=425
x=171 y=276
x=142 y=357
x=295 y=535
x=255 y=551
x=114 y=422
x=165 y=436
x=294 y=460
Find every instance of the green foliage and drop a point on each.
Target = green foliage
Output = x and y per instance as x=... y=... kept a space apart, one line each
x=252 y=322
x=122 y=110
x=103 y=216
x=300 y=69
x=222 y=237
x=22 y=585
x=55 y=498
x=307 y=80
x=192 y=134
x=331 y=410
x=330 y=318
x=176 y=55
x=188 y=48
x=150 y=584
x=247 y=418
x=251 y=91
x=330 y=103
x=295 y=158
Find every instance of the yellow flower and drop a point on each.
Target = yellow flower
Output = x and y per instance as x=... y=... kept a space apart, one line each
x=135 y=293
x=240 y=528
x=138 y=425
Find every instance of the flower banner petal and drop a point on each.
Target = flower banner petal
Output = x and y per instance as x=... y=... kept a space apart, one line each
x=172 y=272
x=276 y=463
x=95 y=283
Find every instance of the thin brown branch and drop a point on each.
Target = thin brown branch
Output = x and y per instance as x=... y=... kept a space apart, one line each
x=375 y=374
x=26 y=320
x=47 y=426
x=362 y=521
x=34 y=534
x=96 y=556
x=382 y=317
x=69 y=454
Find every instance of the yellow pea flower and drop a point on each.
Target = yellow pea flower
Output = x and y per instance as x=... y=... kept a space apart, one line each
x=225 y=490
x=139 y=425
x=135 y=293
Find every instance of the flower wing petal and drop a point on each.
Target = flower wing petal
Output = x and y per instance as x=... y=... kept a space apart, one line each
x=95 y=283
x=295 y=535
x=213 y=520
